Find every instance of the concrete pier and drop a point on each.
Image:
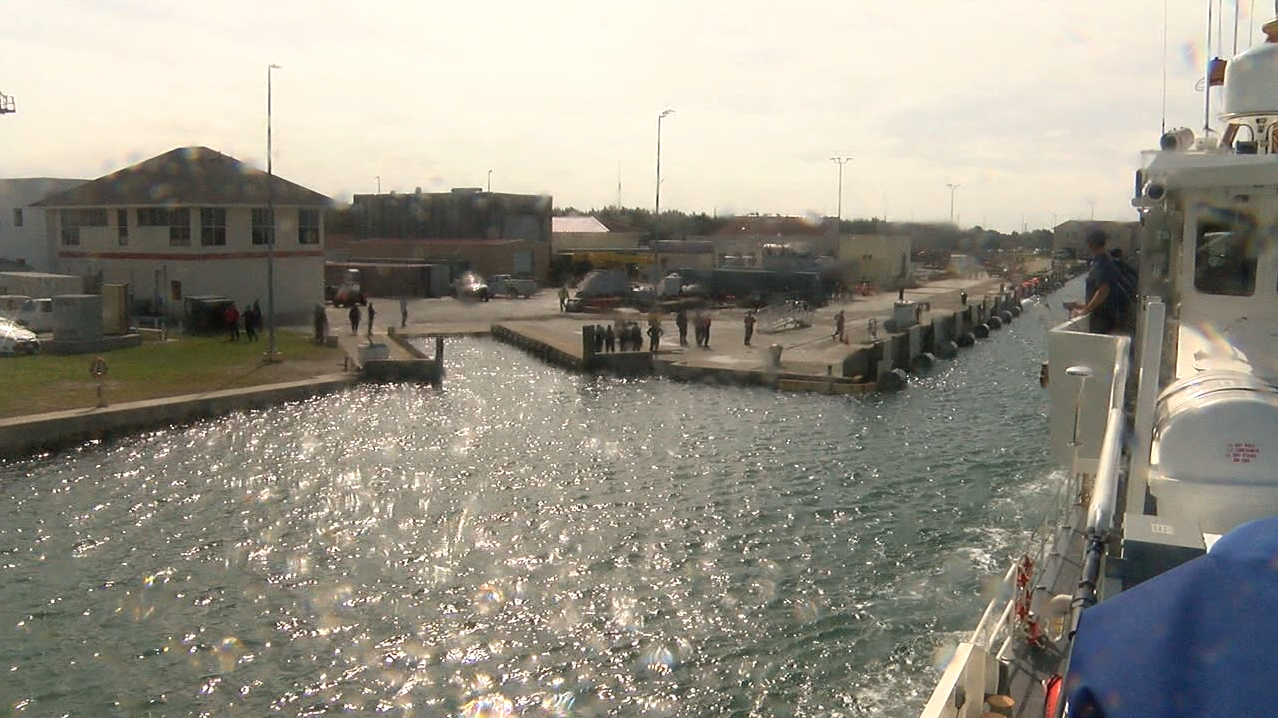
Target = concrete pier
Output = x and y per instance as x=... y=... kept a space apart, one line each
x=868 y=357
x=27 y=435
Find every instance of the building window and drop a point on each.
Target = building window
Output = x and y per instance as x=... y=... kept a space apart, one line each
x=213 y=226
x=122 y=226
x=17 y=216
x=153 y=217
x=261 y=225
x=180 y=227
x=73 y=219
x=308 y=226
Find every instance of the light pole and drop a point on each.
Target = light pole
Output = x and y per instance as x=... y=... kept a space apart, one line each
x=952 y=188
x=840 y=161
x=490 y=180
x=656 y=217
x=271 y=354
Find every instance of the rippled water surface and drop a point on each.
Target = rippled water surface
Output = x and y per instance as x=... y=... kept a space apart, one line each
x=526 y=542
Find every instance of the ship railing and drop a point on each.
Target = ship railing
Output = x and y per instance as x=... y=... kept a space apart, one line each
x=999 y=617
x=997 y=620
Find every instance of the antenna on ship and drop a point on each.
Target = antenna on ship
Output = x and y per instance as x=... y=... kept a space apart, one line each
x=1207 y=81
x=1162 y=130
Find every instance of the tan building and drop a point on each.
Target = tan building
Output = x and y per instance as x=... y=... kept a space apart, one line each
x=190 y=222
x=878 y=258
x=520 y=257
x=572 y=234
x=1068 y=238
x=745 y=241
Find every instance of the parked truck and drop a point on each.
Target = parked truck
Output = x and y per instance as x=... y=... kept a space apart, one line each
x=350 y=291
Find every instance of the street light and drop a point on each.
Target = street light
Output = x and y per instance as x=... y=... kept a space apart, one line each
x=490 y=180
x=840 y=161
x=271 y=353
x=952 y=188
x=656 y=218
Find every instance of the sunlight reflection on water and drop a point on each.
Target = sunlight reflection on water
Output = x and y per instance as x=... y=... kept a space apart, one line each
x=509 y=546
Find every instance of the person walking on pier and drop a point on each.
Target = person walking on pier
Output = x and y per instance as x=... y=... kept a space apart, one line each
x=563 y=298
x=371 y=313
x=251 y=318
x=749 y=326
x=838 y=326
x=354 y=315
x=654 y=338
x=705 y=331
x=681 y=322
x=610 y=339
x=403 y=312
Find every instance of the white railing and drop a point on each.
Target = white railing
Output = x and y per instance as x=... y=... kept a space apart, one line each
x=1100 y=514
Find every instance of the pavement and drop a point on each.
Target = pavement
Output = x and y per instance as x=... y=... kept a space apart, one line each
x=810 y=350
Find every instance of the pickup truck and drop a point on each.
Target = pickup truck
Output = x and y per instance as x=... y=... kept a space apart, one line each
x=504 y=285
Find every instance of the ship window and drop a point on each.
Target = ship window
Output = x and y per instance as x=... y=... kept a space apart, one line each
x=1225 y=256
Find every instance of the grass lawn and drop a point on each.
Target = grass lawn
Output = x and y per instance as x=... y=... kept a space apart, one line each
x=187 y=365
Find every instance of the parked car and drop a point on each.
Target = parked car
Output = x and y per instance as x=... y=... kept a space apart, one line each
x=15 y=339
x=504 y=285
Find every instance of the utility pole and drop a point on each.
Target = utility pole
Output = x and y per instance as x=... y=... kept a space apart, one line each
x=271 y=353
x=840 y=161
x=656 y=217
x=952 y=188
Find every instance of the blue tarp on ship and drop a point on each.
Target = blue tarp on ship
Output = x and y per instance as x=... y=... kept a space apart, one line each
x=1199 y=640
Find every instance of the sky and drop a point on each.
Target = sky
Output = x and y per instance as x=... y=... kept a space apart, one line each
x=1036 y=109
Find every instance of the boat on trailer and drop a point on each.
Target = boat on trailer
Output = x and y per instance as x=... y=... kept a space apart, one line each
x=1152 y=586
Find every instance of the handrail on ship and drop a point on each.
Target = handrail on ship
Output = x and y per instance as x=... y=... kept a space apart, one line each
x=993 y=627
x=1100 y=514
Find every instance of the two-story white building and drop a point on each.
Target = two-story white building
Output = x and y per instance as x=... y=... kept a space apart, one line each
x=192 y=222
x=24 y=238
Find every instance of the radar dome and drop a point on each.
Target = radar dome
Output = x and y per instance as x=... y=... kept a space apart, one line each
x=1251 y=85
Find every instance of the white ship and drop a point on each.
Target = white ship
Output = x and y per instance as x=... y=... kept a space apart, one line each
x=1153 y=588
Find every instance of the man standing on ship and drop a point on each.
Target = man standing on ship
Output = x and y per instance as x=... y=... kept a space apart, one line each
x=1107 y=298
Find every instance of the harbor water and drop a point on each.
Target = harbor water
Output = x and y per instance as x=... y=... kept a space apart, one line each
x=527 y=542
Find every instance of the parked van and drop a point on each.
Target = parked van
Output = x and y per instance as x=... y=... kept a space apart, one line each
x=34 y=314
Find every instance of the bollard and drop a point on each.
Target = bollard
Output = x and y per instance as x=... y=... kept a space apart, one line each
x=775 y=352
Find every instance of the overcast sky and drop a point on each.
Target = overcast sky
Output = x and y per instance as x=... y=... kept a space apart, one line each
x=1036 y=108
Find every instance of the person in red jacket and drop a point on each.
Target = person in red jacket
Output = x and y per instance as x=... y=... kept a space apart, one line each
x=232 y=317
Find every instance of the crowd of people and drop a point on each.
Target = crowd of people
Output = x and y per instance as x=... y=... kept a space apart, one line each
x=625 y=337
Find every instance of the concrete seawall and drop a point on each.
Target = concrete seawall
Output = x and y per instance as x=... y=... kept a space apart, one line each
x=28 y=435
